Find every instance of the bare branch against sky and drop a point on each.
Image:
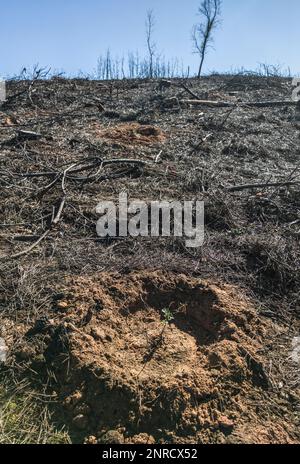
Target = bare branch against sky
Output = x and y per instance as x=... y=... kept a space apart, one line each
x=151 y=46
x=202 y=34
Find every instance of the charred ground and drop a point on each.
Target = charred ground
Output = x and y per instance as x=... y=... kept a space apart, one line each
x=57 y=140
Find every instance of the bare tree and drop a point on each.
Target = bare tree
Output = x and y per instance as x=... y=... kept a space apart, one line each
x=210 y=11
x=151 y=46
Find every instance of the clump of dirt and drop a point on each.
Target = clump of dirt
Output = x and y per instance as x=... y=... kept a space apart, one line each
x=133 y=134
x=164 y=357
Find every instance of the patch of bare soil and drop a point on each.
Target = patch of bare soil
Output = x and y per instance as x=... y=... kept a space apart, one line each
x=132 y=134
x=155 y=356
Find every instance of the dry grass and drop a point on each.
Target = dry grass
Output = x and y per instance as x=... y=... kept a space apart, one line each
x=25 y=417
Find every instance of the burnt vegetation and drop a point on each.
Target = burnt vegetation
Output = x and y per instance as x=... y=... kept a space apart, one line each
x=67 y=144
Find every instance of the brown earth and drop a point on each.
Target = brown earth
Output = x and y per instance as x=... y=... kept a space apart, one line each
x=131 y=134
x=122 y=366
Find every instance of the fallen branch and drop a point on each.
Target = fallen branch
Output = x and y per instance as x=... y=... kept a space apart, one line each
x=28 y=135
x=190 y=92
x=64 y=175
x=238 y=188
x=53 y=223
x=290 y=178
x=224 y=104
x=267 y=104
x=43 y=236
x=200 y=143
x=164 y=83
x=124 y=160
x=98 y=162
x=218 y=104
x=25 y=238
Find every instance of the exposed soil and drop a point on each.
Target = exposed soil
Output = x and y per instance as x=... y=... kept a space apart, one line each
x=142 y=339
x=121 y=366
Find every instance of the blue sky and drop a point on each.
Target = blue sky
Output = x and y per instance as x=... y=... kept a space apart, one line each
x=70 y=34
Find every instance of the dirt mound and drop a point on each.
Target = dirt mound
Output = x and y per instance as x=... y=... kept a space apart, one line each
x=133 y=134
x=160 y=356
